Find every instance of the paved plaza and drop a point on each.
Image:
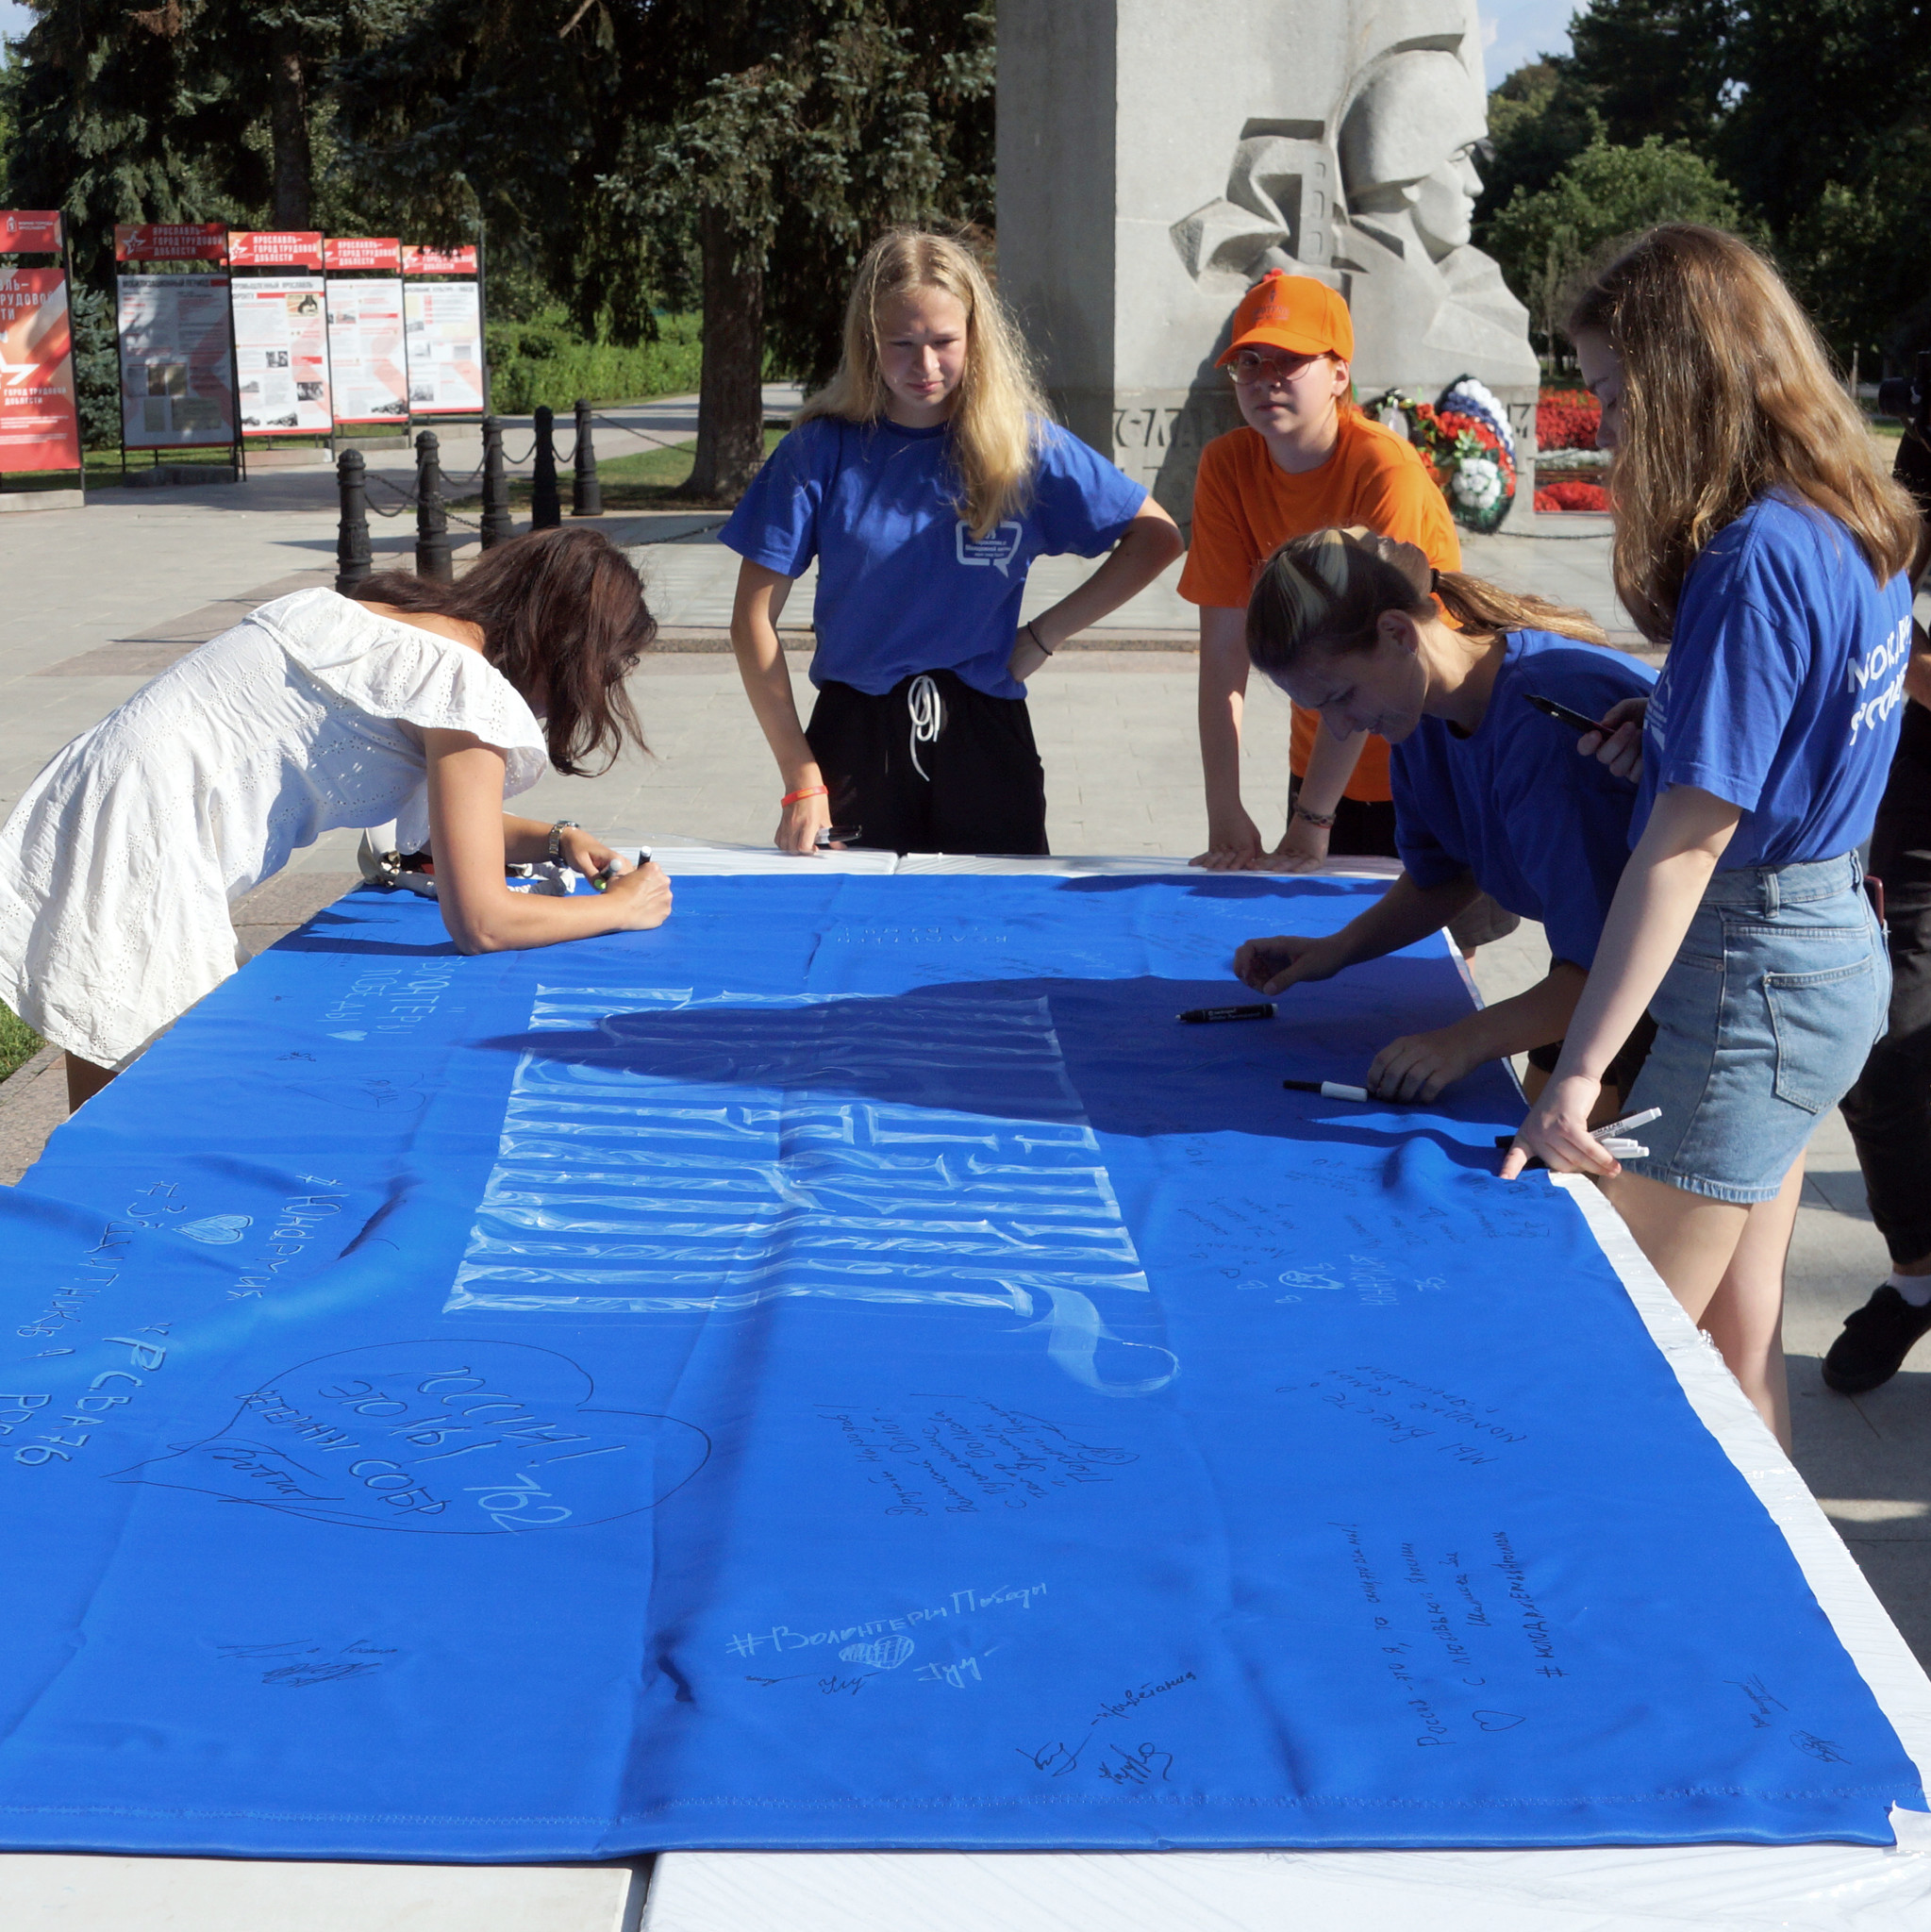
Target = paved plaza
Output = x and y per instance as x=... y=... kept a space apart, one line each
x=101 y=598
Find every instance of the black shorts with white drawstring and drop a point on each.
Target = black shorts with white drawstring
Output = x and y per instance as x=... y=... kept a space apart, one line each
x=932 y=765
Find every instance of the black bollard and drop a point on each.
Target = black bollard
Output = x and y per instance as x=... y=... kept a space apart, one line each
x=586 y=498
x=546 y=505
x=497 y=527
x=352 y=535
x=432 y=520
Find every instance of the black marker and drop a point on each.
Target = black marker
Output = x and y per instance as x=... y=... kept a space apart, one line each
x=1196 y=1016
x=838 y=835
x=1563 y=715
x=1333 y=1090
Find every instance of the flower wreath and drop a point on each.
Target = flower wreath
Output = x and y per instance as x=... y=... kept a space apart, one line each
x=1466 y=443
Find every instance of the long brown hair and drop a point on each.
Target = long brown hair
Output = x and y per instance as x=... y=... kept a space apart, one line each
x=563 y=618
x=1728 y=393
x=997 y=418
x=1322 y=597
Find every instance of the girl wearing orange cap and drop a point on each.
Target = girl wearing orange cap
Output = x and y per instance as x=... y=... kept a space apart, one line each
x=1306 y=459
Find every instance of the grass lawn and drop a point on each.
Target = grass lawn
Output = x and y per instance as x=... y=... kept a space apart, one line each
x=19 y=1043
x=650 y=479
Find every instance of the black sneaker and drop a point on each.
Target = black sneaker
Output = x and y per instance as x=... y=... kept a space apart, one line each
x=1875 y=1343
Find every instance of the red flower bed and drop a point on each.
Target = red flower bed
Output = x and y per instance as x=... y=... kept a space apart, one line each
x=1561 y=496
x=1567 y=419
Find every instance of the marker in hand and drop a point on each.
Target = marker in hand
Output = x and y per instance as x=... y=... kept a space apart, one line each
x=602 y=882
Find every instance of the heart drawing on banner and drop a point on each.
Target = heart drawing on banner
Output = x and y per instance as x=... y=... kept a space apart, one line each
x=217 y=1231
x=885 y=1655
x=1497 y=1720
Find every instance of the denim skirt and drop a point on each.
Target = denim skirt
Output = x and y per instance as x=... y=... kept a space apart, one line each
x=1777 y=996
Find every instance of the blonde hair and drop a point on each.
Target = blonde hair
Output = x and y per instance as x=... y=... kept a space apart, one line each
x=1322 y=595
x=998 y=411
x=1728 y=393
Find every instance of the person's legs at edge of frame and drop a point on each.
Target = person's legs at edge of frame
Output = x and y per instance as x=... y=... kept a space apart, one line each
x=1888 y=1110
x=1761 y=1026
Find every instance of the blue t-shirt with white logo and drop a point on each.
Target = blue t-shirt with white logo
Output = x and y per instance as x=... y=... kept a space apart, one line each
x=903 y=584
x=1544 y=830
x=1783 y=685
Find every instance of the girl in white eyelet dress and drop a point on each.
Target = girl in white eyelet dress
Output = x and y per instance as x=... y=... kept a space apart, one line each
x=120 y=863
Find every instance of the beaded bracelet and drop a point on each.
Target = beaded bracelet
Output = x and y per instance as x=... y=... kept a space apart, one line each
x=1323 y=821
x=805 y=792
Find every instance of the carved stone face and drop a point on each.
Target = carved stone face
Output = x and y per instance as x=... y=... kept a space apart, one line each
x=1407 y=144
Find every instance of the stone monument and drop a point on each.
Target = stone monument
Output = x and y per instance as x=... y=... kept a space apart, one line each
x=1156 y=156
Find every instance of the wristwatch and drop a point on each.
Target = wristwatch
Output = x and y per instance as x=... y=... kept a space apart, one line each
x=556 y=832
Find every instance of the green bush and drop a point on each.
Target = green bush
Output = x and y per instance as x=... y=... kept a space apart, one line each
x=19 y=1043
x=543 y=362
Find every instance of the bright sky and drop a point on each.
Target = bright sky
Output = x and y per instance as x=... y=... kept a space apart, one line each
x=1514 y=32
x=14 y=19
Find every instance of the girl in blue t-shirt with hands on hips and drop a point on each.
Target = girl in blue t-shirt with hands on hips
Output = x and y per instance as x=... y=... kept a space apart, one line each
x=925 y=478
x=1757 y=535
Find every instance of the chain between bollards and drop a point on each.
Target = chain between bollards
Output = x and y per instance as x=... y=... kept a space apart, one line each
x=586 y=498
x=497 y=527
x=433 y=559
x=546 y=505
x=352 y=558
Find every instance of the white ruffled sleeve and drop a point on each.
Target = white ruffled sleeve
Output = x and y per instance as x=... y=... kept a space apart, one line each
x=387 y=669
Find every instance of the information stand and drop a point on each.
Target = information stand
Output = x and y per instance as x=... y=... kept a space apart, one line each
x=368 y=359
x=40 y=416
x=444 y=313
x=281 y=334
x=174 y=334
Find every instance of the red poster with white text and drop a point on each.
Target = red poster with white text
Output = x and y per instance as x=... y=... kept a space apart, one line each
x=39 y=422
x=363 y=254
x=29 y=232
x=274 y=248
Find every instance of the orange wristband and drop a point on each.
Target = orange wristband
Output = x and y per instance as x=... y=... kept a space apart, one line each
x=805 y=792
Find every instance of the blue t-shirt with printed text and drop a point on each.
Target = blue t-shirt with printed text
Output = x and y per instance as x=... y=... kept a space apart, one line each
x=1544 y=830
x=1783 y=685
x=903 y=584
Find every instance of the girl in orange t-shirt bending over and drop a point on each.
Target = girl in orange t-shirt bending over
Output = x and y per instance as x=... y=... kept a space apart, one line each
x=1306 y=459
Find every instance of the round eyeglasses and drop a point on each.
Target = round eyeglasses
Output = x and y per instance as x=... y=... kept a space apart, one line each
x=1250 y=369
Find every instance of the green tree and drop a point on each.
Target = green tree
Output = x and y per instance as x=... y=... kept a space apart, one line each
x=1539 y=122
x=1661 y=67
x=1543 y=238
x=190 y=110
x=621 y=143
x=813 y=133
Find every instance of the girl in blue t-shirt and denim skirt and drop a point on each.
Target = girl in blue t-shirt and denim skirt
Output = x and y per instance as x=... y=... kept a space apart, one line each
x=1757 y=535
x=924 y=479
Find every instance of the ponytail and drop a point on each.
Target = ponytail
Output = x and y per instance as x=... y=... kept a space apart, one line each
x=1325 y=593
x=1475 y=605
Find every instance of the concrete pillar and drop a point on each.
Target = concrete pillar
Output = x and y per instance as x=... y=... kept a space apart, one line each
x=1158 y=156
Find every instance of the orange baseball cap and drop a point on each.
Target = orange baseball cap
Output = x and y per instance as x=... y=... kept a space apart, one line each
x=1295 y=313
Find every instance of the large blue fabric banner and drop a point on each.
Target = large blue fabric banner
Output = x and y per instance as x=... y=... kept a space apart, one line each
x=849 y=1370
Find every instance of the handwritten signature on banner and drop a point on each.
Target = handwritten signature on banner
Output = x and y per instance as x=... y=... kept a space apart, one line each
x=300 y=1665
x=1139 y=1765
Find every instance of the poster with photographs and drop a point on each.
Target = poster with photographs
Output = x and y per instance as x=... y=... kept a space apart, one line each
x=281 y=355
x=445 y=343
x=177 y=377
x=368 y=378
